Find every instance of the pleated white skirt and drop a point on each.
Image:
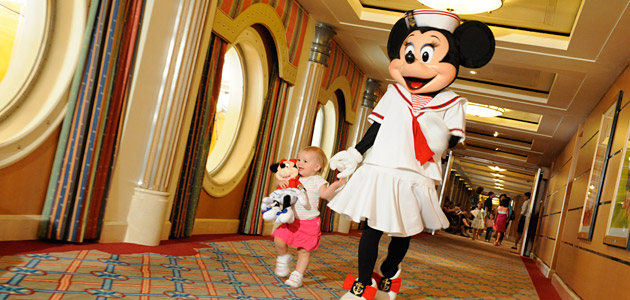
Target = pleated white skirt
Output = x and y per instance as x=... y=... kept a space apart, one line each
x=398 y=202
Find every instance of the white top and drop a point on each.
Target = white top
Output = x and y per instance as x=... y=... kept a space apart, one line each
x=393 y=146
x=312 y=184
x=525 y=208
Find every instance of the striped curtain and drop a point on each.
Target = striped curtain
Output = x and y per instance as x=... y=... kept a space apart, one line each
x=198 y=145
x=260 y=176
x=86 y=152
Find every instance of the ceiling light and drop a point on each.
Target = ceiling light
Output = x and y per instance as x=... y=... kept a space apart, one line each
x=497 y=175
x=496 y=133
x=498 y=180
x=482 y=110
x=473 y=72
x=496 y=149
x=496 y=168
x=498 y=184
x=464 y=7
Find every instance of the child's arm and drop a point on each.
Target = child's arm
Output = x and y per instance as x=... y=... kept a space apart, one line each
x=327 y=192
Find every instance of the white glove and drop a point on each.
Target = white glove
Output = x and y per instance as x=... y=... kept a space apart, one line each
x=435 y=131
x=346 y=162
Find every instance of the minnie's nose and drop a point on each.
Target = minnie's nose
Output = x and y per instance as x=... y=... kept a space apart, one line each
x=410 y=58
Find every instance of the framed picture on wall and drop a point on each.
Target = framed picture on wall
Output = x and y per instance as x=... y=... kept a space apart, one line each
x=598 y=169
x=617 y=232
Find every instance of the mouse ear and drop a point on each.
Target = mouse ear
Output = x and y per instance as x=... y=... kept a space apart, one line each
x=397 y=36
x=274 y=167
x=476 y=44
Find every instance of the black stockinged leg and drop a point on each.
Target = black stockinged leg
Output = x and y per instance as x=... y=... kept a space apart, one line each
x=368 y=252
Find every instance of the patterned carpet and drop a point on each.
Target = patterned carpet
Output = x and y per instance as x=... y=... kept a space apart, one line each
x=443 y=266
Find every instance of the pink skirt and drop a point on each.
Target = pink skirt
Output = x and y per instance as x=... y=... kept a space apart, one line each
x=300 y=234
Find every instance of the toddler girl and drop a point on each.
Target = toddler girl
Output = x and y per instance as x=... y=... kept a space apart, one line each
x=489 y=225
x=478 y=223
x=304 y=233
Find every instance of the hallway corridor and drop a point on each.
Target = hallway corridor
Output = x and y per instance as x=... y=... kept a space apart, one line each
x=443 y=266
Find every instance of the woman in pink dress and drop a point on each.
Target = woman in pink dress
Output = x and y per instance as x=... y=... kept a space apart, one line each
x=501 y=222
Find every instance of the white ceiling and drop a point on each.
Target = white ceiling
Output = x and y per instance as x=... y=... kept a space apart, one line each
x=554 y=61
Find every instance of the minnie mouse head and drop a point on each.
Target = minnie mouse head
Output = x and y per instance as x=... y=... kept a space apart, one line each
x=426 y=48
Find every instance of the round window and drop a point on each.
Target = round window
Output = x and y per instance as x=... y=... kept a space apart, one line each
x=238 y=114
x=24 y=29
x=227 y=118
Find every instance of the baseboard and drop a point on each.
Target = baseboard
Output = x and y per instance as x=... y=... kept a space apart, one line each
x=564 y=291
x=544 y=269
x=113 y=232
x=19 y=227
x=215 y=226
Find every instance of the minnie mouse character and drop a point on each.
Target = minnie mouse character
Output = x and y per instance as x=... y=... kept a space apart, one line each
x=412 y=125
x=277 y=207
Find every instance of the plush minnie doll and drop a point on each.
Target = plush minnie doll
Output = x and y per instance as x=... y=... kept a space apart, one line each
x=277 y=207
x=412 y=125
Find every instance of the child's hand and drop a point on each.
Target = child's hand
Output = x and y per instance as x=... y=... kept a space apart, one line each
x=283 y=183
x=338 y=183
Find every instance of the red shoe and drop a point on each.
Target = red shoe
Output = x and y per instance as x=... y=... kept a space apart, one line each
x=357 y=291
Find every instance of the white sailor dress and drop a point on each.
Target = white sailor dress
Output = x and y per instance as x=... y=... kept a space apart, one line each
x=391 y=189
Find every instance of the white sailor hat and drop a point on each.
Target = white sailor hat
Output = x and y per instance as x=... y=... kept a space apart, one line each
x=432 y=18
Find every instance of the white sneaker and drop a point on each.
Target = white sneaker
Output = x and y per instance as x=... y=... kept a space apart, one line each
x=282 y=265
x=295 y=280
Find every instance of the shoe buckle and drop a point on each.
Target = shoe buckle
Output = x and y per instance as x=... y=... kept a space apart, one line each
x=385 y=284
x=358 y=289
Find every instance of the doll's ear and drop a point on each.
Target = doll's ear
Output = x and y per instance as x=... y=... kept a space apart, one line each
x=274 y=167
x=476 y=44
x=397 y=36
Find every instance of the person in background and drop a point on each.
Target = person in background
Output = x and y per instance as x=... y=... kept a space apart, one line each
x=489 y=225
x=487 y=204
x=479 y=222
x=525 y=212
x=474 y=199
x=501 y=221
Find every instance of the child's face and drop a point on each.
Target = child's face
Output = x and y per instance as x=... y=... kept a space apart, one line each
x=308 y=164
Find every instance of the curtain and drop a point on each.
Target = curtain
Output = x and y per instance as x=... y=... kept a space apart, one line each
x=86 y=152
x=266 y=149
x=198 y=144
x=326 y=214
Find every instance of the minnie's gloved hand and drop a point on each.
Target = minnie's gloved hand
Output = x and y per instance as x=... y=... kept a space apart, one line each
x=435 y=132
x=346 y=162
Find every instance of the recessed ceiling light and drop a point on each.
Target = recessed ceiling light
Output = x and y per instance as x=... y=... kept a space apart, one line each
x=496 y=149
x=473 y=72
x=496 y=133
x=483 y=110
x=496 y=168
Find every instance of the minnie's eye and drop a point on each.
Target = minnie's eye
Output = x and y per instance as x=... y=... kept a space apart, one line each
x=409 y=56
x=426 y=53
x=409 y=49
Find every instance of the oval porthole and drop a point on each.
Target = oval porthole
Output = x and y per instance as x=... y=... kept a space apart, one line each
x=325 y=128
x=238 y=114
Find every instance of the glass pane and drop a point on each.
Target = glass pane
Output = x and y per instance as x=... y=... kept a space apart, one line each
x=10 y=12
x=23 y=33
x=318 y=128
x=228 y=113
x=596 y=170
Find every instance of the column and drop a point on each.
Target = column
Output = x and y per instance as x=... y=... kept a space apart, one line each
x=305 y=111
x=357 y=130
x=141 y=193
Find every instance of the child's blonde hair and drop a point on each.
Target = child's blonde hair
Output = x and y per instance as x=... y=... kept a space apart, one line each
x=323 y=160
